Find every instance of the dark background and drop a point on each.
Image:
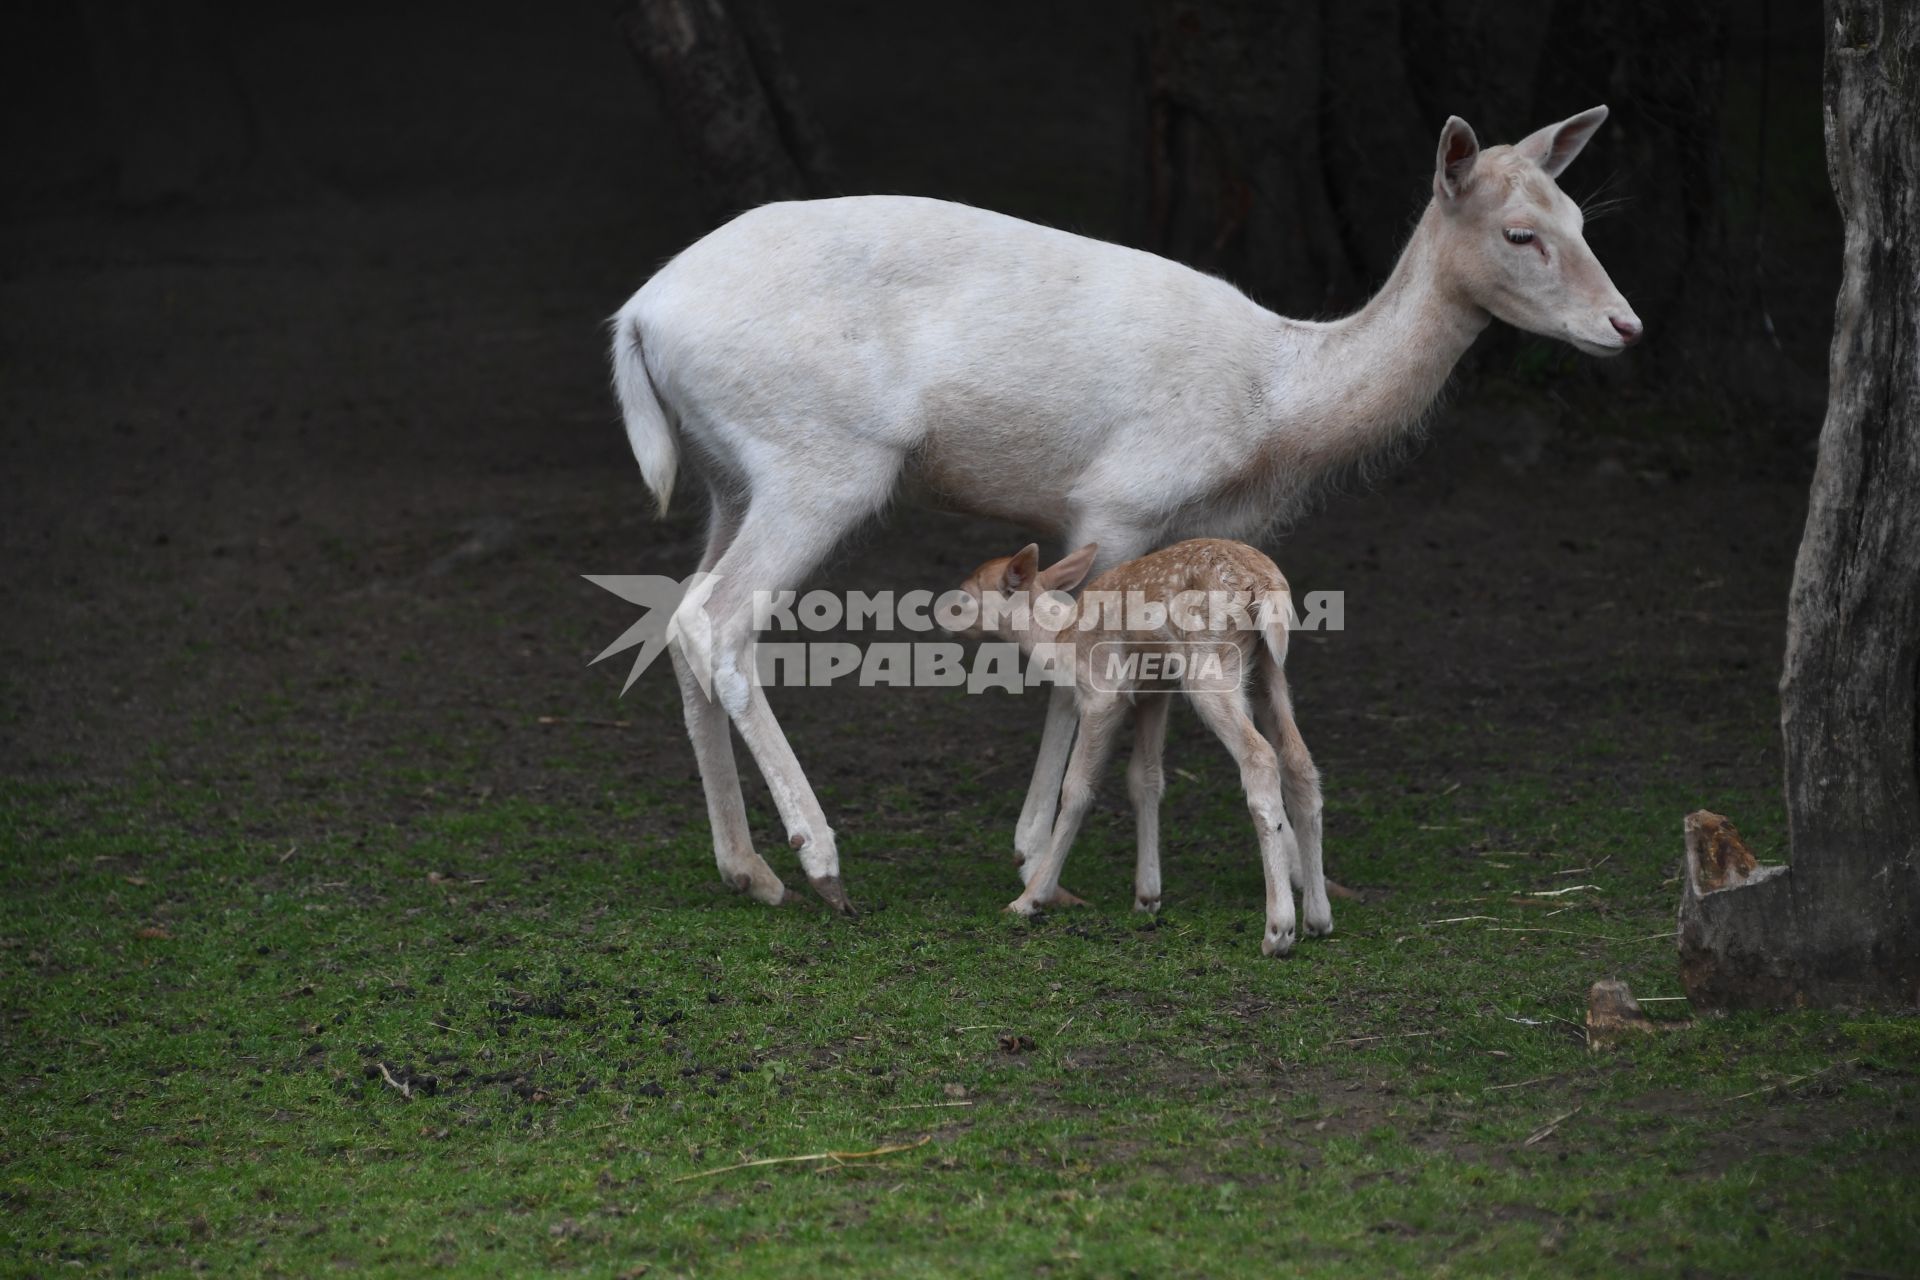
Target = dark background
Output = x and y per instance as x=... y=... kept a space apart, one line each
x=1282 y=144
x=304 y=381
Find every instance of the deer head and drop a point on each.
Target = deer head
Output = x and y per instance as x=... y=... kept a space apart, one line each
x=1513 y=242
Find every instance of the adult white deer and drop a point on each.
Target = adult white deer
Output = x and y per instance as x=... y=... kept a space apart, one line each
x=815 y=357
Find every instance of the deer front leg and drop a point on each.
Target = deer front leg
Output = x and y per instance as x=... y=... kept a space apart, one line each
x=1093 y=742
x=1146 y=782
x=1118 y=541
x=1043 y=793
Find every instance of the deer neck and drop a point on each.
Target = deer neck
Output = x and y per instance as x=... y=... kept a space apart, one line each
x=1357 y=384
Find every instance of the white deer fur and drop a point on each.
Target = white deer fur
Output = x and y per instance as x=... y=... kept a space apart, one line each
x=816 y=358
x=1276 y=772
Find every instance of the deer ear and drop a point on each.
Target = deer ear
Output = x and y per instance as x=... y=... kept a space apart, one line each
x=1066 y=573
x=1554 y=147
x=1453 y=164
x=1023 y=568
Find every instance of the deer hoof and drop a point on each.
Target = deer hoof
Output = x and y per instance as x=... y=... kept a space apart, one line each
x=1148 y=905
x=1278 y=942
x=775 y=894
x=833 y=893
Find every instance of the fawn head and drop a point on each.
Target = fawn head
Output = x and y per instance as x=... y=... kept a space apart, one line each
x=1005 y=589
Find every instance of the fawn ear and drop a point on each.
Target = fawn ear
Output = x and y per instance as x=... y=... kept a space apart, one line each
x=1453 y=163
x=1022 y=568
x=1066 y=573
x=1554 y=147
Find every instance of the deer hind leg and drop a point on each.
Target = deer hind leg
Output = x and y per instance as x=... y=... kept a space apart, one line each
x=740 y=867
x=1226 y=714
x=1300 y=780
x=1146 y=782
x=780 y=541
x=1263 y=716
x=1100 y=720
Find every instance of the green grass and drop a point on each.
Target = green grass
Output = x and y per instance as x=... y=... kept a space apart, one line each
x=196 y=1019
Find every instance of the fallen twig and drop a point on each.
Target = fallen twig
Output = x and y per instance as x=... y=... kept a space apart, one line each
x=1847 y=1062
x=406 y=1090
x=587 y=720
x=924 y=1106
x=1572 y=888
x=1574 y=871
x=1576 y=933
x=1457 y=920
x=838 y=1157
x=1546 y=1130
x=291 y=849
x=1390 y=1035
x=1518 y=1084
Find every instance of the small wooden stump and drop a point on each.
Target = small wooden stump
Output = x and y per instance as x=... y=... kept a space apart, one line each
x=1614 y=1015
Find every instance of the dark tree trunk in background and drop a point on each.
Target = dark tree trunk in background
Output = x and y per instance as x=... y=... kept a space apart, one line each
x=173 y=112
x=1842 y=924
x=1661 y=66
x=726 y=89
x=1237 y=181
x=1291 y=141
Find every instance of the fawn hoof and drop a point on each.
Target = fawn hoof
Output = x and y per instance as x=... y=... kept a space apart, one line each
x=1320 y=926
x=1148 y=905
x=1021 y=906
x=1278 y=942
x=833 y=893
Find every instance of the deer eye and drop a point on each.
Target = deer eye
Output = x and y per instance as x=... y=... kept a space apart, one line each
x=1519 y=235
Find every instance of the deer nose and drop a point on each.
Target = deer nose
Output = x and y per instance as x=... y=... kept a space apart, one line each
x=1627 y=327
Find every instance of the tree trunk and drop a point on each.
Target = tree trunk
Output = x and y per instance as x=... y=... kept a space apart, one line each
x=1237 y=179
x=726 y=90
x=173 y=113
x=1841 y=925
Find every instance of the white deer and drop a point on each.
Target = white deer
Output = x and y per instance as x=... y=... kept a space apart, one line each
x=814 y=358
